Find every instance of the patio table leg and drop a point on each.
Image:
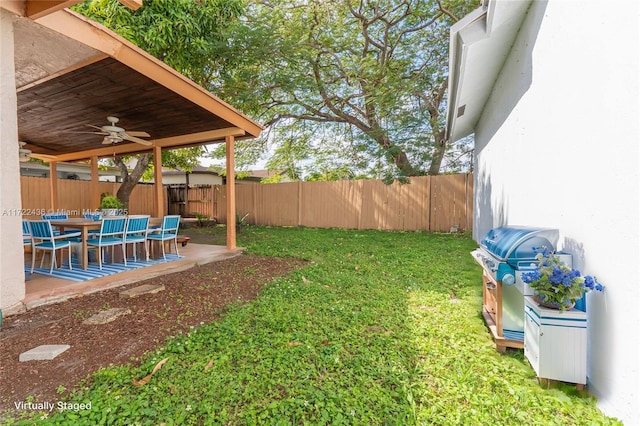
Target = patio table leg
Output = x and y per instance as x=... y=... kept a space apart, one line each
x=85 y=250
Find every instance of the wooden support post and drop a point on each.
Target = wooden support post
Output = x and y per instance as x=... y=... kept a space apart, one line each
x=93 y=187
x=157 y=174
x=231 y=193
x=53 y=184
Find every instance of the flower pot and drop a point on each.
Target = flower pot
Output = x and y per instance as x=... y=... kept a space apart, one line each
x=553 y=305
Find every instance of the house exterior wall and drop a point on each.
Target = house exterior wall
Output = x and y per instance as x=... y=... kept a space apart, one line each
x=557 y=146
x=12 y=287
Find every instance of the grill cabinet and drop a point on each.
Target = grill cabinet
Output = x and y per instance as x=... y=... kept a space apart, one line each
x=556 y=343
x=504 y=254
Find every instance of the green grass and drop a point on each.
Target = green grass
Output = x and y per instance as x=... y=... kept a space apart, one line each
x=378 y=328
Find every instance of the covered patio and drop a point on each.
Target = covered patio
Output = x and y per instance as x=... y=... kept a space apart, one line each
x=71 y=73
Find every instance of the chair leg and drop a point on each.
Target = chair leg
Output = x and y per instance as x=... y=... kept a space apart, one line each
x=175 y=242
x=163 y=255
x=53 y=261
x=146 y=248
x=33 y=258
x=99 y=256
x=70 y=267
x=124 y=252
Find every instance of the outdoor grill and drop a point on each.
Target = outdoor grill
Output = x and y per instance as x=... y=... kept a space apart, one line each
x=504 y=254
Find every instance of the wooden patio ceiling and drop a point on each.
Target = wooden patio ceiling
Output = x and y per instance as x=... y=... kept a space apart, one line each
x=51 y=114
x=88 y=73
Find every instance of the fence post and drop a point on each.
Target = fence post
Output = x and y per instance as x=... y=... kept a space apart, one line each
x=299 y=203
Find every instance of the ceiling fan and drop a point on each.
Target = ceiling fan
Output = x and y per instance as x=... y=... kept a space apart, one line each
x=114 y=134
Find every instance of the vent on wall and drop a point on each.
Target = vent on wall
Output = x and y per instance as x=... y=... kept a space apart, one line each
x=461 y=110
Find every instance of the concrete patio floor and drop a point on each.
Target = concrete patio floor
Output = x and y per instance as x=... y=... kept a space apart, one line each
x=43 y=290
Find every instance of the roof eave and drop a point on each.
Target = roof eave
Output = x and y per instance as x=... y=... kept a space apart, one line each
x=479 y=46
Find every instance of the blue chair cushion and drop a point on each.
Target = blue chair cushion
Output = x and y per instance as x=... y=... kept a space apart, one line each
x=48 y=246
x=105 y=241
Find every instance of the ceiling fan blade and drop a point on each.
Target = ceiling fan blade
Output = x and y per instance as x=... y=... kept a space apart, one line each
x=134 y=139
x=106 y=141
x=95 y=127
x=139 y=134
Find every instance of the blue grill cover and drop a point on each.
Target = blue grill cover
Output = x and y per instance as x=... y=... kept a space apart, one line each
x=513 y=244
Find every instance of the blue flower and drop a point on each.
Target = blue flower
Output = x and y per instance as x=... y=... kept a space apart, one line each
x=529 y=277
x=553 y=281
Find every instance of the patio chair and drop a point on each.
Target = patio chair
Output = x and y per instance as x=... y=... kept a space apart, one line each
x=43 y=238
x=55 y=216
x=168 y=232
x=96 y=217
x=136 y=232
x=26 y=233
x=58 y=216
x=111 y=234
x=93 y=216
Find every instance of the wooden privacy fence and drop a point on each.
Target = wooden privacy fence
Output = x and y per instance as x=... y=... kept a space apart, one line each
x=74 y=196
x=432 y=203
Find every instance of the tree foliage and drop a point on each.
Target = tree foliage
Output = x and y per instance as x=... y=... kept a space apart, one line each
x=184 y=34
x=342 y=85
x=371 y=73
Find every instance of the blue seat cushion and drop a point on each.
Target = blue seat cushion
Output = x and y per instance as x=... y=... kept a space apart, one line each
x=135 y=238
x=161 y=236
x=106 y=241
x=48 y=246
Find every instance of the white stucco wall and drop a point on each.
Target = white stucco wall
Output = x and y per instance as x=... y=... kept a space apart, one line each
x=11 y=253
x=557 y=146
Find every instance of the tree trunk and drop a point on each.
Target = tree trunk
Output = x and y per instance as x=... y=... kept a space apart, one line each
x=130 y=180
x=399 y=157
x=439 y=149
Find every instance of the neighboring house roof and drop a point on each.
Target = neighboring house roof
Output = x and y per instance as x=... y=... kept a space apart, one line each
x=196 y=170
x=72 y=72
x=254 y=175
x=479 y=45
x=258 y=175
x=75 y=168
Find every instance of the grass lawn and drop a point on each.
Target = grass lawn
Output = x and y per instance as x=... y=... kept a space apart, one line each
x=378 y=328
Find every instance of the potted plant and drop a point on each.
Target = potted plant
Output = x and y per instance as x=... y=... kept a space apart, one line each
x=110 y=205
x=556 y=285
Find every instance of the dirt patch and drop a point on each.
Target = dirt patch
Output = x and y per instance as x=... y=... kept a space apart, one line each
x=198 y=295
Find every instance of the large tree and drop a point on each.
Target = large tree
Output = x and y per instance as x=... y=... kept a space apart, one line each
x=355 y=85
x=374 y=72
